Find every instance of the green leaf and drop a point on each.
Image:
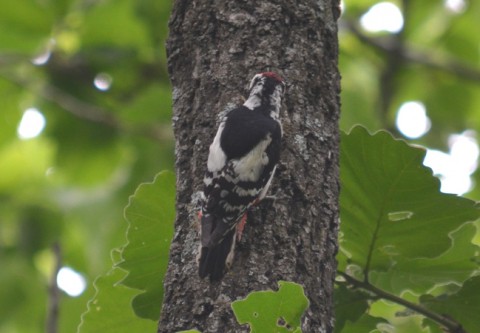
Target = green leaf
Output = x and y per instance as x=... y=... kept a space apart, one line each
x=350 y=305
x=150 y=214
x=409 y=324
x=110 y=311
x=273 y=311
x=422 y=274
x=391 y=207
x=463 y=306
x=396 y=316
x=433 y=326
x=365 y=324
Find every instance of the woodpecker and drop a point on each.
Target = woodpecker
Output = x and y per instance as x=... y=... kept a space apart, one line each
x=240 y=167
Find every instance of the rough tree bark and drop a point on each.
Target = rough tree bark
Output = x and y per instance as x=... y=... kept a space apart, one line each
x=214 y=48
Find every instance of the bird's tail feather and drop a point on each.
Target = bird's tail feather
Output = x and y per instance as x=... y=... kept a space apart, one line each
x=215 y=260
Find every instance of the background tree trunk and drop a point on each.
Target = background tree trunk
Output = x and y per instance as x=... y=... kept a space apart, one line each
x=214 y=49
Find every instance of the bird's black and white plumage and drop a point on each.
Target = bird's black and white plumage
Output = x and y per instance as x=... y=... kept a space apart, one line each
x=241 y=164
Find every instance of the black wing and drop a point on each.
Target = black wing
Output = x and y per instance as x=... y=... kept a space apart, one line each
x=251 y=143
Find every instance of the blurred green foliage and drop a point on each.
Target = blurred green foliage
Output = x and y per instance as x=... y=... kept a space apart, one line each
x=434 y=60
x=69 y=185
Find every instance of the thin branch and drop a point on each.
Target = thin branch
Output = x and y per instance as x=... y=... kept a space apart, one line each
x=450 y=324
x=410 y=54
x=51 y=325
x=78 y=107
x=89 y=112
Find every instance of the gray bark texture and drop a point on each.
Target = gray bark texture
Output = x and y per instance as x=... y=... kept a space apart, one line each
x=215 y=47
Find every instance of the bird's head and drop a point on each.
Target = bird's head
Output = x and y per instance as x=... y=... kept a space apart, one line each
x=266 y=90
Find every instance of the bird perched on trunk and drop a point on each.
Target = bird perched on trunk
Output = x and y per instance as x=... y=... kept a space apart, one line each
x=241 y=164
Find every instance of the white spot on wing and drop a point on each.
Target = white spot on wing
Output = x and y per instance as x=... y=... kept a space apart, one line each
x=216 y=157
x=233 y=208
x=207 y=181
x=245 y=193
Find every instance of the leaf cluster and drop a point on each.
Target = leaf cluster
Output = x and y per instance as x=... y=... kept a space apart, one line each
x=402 y=241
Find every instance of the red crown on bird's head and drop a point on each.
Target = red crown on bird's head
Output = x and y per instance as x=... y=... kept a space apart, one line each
x=273 y=76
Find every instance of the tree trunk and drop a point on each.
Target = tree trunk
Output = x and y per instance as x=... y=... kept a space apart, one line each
x=214 y=49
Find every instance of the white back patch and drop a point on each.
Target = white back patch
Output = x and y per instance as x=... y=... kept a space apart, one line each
x=216 y=157
x=250 y=166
